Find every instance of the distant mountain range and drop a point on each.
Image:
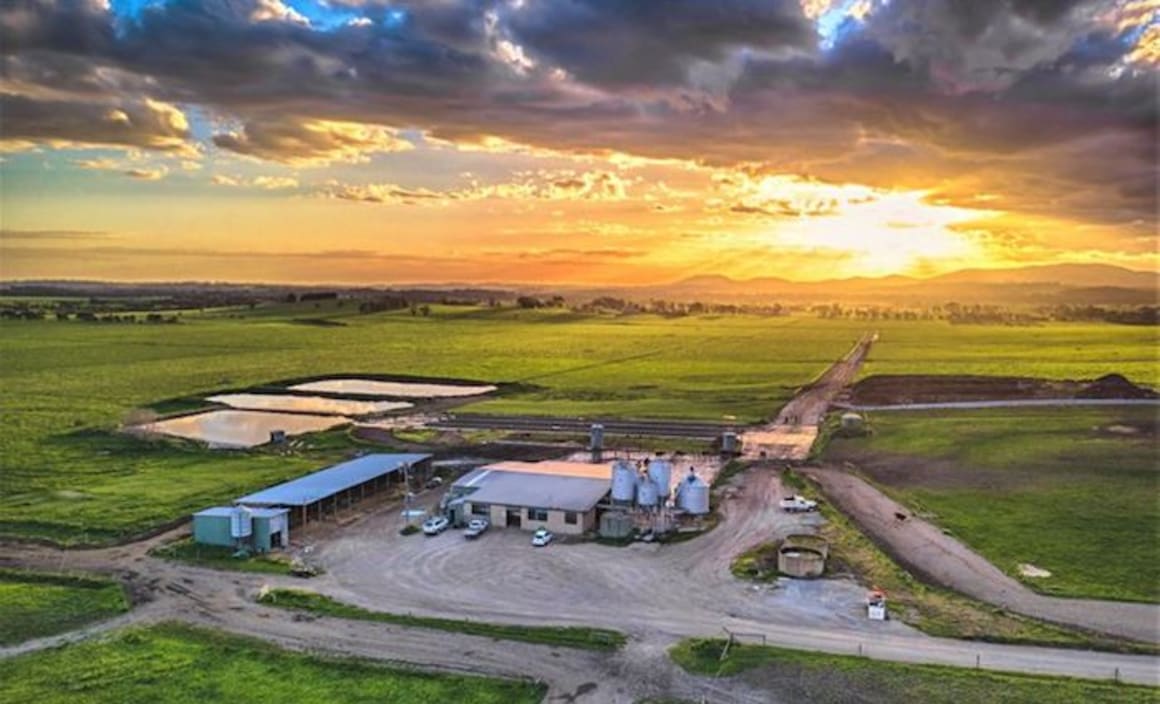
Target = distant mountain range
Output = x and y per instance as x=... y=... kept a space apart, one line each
x=1077 y=284
x=1056 y=284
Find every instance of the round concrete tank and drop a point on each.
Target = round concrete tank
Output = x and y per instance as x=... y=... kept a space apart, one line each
x=646 y=492
x=596 y=437
x=623 y=482
x=803 y=556
x=693 y=495
x=852 y=422
x=241 y=522
x=661 y=473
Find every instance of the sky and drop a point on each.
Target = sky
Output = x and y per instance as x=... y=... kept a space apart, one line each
x=573 y=141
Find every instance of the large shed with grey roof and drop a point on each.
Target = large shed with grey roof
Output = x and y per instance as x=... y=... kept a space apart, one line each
x=561 y=497
x=333 y=488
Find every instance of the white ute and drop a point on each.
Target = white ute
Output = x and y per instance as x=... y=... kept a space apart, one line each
x=798 y=504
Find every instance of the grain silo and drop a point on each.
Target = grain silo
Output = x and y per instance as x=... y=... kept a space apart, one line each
x=623 y=482
x=647 y=495
x=660 y=472
x=596 y=437
x=693 y=495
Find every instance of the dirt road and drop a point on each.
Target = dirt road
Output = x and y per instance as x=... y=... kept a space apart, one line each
x=792 y=434
x=657 y=594
x=925 y=550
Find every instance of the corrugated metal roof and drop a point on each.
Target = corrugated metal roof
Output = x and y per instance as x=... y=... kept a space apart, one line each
x=217 y=511
x=588 y=470
x=545 y=491
x=328 y=482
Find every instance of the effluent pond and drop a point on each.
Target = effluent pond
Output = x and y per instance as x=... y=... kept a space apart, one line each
x=307 y=404
x=393 y=389
x=241 y=429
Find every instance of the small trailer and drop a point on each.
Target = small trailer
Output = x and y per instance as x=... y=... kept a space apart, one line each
x=798 y=504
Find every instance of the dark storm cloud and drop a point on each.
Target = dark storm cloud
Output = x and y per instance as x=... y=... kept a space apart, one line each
x=651 y=44
x=146 y=125
x=967 y=96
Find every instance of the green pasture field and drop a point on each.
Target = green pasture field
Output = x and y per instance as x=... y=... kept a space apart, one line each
x=817 y=677
x=1050 y=351
x=65 y=476
x=176 y=663
x=37 y=604
x=1072 y=491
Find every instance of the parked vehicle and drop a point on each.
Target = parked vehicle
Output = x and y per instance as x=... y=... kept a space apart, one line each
x=476 y=527
x=798 y=504
x=434 y=482
x=542 y=537
x=435 y=525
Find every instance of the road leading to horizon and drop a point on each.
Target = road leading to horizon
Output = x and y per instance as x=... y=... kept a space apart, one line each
x=793 y=433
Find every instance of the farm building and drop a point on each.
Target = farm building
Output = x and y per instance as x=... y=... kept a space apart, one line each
x=328 y=490
x=259 y=529
x=559 y=496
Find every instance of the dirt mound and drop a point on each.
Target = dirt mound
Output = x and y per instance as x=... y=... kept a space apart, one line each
x=1114 y=386
x=891 y=389
x=886 y=389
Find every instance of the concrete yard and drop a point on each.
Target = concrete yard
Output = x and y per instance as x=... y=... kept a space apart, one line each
x=639 y=588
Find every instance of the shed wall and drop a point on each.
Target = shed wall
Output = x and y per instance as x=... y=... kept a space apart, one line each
x=212 y=530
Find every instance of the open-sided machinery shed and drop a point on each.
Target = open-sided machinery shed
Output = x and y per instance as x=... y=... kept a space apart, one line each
x=328 y=490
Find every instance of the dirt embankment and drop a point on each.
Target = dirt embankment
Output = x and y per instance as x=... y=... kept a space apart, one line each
x=892 y=389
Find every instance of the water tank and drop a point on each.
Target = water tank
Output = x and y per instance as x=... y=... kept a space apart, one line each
x=241 y=522
x=693 y=495
x=623 y=482
x=646 y=492
x=596 y=437
x=661 y=472
x=729 y=443
x=851 y=422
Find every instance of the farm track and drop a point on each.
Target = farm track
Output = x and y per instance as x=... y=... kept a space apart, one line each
x=656 y=594
x=925 y=550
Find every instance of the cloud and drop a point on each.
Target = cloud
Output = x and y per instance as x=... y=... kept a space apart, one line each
x=653 y=45
x=311 y=142
x=544 y=185
x=269 y=183
x=51 y=235
x=143 y=174
x=958 y=97
x=143 y=124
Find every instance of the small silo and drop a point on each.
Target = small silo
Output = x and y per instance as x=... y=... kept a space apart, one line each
x=647 y=495
x=728 y=443
x=623 y=482
x=241 y=523
x=693 y=495
x=661 y=472
x=596 y=437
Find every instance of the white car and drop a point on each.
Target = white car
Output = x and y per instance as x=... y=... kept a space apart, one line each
x=435 y=525
x=541 y=537
x=798 y=504
x=476 y=527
